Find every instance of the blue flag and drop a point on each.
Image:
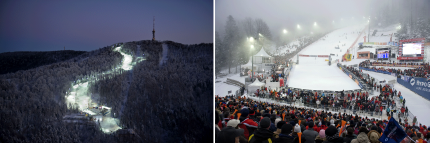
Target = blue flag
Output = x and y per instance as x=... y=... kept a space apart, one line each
x=393 y=133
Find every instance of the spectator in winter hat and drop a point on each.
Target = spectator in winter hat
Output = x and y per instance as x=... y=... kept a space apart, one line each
x=297 y=130
x=279 y=128
x=272 y=122
x=321 y=137
x=230 y=134
x=285 y=135
x=310 y=134
x=349 y=135
x=257 y=117
x=374 y=135
x=332 y=135
x=262 y=134
x=233 y=123
x=244 y=112
x=293 y=123
x=247 y=125
x=303 y=125
x=362 y=136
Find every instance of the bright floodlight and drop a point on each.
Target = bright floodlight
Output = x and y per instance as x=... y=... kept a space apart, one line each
x=315 y=23
x=298 y=26
x=285 y=31
x=251 y=39
x=252 y=46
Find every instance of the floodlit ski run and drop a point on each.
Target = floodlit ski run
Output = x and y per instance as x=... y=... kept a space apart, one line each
x=78 y=96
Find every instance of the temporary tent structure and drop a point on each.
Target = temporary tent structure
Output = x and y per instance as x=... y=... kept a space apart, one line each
x=255 y=85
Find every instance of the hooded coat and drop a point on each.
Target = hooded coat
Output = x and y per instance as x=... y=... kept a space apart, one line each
x=361 y=138
x=373 y=136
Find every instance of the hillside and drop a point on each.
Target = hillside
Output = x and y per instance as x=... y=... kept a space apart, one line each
x=15 y=61
x=165 y=102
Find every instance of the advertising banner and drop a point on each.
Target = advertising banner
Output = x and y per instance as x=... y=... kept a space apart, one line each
x=393 y=43
x=420 y=86
x=410 y=58
x=413 y=40
x=348 y=57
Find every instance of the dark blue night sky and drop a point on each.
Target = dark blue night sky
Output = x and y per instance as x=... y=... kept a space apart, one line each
x=85 y=26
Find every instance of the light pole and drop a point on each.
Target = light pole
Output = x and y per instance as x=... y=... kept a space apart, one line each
x=368 y=32
x=252 y=64
x=285 y=33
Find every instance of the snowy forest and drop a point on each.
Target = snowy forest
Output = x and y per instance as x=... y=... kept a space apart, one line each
x=412 y=16
x=167 y=103
x=234 y=47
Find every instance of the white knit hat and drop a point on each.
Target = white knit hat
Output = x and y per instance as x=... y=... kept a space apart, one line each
x=297 y=128
x=233 y=123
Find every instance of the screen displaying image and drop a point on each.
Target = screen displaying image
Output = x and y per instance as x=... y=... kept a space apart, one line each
x=411 y=48
x=383 y=54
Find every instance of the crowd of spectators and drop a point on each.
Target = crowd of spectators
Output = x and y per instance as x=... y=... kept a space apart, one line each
x=245 y=120
x=369 y=81
x=422 y=71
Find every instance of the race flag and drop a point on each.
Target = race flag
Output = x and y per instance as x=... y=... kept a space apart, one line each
x=393 y=133
x=343 y=127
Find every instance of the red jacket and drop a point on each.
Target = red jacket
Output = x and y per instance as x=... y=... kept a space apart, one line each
x=316 y=128
x=245 y=124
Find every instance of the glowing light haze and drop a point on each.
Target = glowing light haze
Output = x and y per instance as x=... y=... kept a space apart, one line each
x=288 y=14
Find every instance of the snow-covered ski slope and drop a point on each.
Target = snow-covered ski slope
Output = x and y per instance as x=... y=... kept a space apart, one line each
x=343 y=38
x=315 y=73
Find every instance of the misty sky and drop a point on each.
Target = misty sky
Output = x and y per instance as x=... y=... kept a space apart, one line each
x=287 y=14
x=88 y=25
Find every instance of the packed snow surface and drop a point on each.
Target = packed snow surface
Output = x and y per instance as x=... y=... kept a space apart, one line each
x=315 y=74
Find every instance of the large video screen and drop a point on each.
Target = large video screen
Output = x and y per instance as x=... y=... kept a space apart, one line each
x=411 y=48
x=383 y=54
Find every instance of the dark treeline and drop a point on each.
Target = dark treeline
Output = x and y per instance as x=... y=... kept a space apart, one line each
x=15 y=61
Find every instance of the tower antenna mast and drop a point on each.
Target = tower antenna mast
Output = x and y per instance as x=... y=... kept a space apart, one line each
x=153 y=29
